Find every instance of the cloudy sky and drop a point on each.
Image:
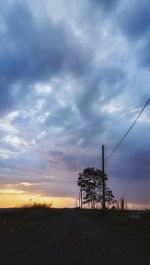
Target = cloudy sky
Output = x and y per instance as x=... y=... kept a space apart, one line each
x=73 y=76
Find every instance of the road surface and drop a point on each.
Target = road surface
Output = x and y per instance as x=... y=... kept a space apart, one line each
x=70 y=238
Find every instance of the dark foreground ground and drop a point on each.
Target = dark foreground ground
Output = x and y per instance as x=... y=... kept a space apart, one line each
x=67 y=237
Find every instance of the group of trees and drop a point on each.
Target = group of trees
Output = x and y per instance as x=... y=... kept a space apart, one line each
x=90 y=182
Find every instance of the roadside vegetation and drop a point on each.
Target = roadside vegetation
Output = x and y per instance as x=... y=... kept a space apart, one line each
x=36 y=210
x=134 y=220
x=27 y=212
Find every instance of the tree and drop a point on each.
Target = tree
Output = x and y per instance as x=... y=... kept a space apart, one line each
x=90 y=183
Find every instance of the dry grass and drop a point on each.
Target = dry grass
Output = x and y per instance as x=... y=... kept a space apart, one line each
x=36 y=210
x=37 y=205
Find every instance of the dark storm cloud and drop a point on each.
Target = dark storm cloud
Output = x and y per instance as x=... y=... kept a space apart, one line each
x=131 y=163
x=31 y=52
x=103 y=83
x=76 y=162
x=140 y=165
x=106 y=5
x=85 y=127
x=22 y=164
x=89 y=134
x=63 y=116
x=50 y=189
x=134 y=22
x=135 y=19
x=137 y=158
x=144 y=54
x=135 y=167
x=21 y=181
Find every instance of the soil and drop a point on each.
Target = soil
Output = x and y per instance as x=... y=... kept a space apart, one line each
x=68 y=237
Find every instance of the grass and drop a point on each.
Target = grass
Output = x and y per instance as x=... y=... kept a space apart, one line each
x=138 y=221
x=36 y=211
x=27 y=212
x=37 y=205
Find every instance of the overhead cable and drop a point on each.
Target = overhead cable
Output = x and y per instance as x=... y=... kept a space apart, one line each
x=128 y=131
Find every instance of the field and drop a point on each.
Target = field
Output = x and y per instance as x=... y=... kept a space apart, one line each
x=71 y=236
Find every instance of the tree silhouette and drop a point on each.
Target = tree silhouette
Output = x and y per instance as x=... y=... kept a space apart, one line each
x=90 y=183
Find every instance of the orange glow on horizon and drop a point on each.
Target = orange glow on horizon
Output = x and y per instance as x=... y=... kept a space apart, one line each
x=10 y=197
x=15 y=198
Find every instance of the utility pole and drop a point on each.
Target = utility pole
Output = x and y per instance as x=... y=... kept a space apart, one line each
x=103 y=177
x=81 y=196
x=79 y=199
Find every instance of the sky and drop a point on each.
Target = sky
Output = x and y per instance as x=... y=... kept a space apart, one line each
x=73 y=75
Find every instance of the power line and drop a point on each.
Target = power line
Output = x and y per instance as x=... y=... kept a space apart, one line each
x=127 y=132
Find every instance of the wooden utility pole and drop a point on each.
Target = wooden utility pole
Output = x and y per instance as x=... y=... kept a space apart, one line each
x=79 y=200
x=103 y=177
x=122 y=204
x=81 y=197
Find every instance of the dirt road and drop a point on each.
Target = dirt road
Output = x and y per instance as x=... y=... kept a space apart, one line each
x=70 y=238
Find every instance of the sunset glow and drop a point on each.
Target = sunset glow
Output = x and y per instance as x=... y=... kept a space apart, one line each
x=16 y=198
x=74 y=75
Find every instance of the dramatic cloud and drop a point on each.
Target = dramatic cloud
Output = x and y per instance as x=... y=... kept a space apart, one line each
x=134 y=21
x=73 y=76
x=106 y=5
x=31 y=52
